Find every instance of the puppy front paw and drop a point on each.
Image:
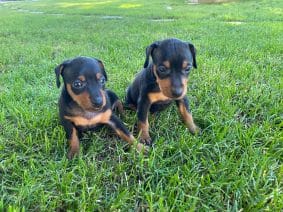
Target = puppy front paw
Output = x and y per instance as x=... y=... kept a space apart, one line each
x=72 y=153
x=142 y=148
x=146 y=139
x=195 y=130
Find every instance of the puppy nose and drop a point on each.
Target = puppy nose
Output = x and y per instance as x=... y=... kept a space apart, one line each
x=177 y=91
x=97 y=102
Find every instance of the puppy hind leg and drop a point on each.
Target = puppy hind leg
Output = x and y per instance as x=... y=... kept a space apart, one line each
x=116 y=104
x=129 y=103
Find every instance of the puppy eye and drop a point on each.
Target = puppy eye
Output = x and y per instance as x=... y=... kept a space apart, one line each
x=102 y=80
x=78 y=84
x=163 y=70
x=188 y=69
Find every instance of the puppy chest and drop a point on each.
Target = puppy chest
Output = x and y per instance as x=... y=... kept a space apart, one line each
x=90 y=119
x=158 y=97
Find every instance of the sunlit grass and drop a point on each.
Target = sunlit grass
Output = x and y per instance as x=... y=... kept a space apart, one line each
x=130 y=5
x=83 y=5
x=235 y=96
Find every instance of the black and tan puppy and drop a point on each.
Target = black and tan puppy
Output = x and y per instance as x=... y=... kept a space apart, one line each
x=84 y=103
x=162 y=81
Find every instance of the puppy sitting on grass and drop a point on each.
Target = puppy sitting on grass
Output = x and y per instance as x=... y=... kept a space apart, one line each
x=161 y=82
x=84 y=103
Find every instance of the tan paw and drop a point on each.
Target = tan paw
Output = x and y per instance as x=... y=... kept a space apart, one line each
x=72 y=153
x=142 y=148
x=146 y=140
x=195 y=130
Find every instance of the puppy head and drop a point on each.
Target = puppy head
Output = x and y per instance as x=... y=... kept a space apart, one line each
x=172 y=61
x=84 y=80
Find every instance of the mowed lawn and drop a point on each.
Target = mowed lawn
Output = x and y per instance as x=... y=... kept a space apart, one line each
x=236 y=96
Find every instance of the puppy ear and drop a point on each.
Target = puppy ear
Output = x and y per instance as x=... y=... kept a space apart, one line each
x=148 y=52
x=193 y=51
x=59 y=70
x=102 y=68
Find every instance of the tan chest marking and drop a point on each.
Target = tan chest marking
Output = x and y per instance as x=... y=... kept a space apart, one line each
x=99 y=118
x=158 y=96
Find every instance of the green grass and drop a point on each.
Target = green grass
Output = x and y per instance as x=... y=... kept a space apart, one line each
x=236 y=97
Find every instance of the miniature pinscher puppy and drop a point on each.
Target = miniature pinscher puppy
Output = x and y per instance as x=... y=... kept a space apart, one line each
x=162 y=81
x=84 y=103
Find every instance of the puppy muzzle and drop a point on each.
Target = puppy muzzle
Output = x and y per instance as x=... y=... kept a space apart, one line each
x=97 y=102
x=177 y=92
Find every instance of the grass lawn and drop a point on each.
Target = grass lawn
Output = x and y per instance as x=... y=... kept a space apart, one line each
x=236 y=98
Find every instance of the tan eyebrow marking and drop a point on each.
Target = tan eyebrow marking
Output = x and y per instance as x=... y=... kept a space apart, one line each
x=82 y=78
x=185 y=64
x=98 y=76
x=166 y=64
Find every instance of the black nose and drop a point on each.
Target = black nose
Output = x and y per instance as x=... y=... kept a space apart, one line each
x=177 y=91
x=97 y=102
